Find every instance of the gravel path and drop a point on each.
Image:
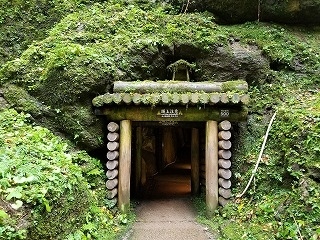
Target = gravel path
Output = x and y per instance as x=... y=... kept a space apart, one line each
x=167 y=219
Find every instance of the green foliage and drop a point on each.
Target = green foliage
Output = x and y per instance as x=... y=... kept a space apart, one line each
x=45 y=184
x=22 y=22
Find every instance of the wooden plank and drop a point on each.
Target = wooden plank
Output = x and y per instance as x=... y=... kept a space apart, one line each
x=195 y=161
x=179 y=113
x=124 y=166
x=211 y=153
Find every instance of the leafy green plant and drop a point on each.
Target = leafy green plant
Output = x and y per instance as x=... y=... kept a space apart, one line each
x=43 y=180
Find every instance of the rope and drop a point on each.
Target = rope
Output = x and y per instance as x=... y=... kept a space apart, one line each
x=260 y=156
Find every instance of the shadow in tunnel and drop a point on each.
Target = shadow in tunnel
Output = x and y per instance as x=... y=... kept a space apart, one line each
x=174 y=181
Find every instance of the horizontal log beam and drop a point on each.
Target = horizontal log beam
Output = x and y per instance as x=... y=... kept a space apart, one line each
x=112 y=146
x=178 y=86
x=112 y=155
x=173 y=114
x=223 y=163
x=156 y=99
x=225 y=193
x=112 y=164
x=223 y=201
x=112 y=127
x=112 y=193
x=112 y=174
x=112 y=183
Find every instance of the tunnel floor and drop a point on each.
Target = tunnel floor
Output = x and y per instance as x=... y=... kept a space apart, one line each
x=172 y=182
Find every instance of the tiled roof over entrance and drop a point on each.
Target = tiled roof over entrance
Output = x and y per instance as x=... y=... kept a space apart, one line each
x=151 y=93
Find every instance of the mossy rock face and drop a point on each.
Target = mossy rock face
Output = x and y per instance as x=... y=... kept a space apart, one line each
x=231 y=11
x=293 y=11
x=25 y=21
x=90 y=49
x=235 y=61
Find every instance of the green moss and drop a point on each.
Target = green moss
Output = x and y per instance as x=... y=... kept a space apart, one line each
x=21 y=100
x=22 y=22
x=233 y=86
x=68 y=215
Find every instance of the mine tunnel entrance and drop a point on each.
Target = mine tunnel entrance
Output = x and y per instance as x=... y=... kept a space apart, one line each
x=156 y=130
x=161 y=166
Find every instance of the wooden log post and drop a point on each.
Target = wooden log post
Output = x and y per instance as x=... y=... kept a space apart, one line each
x=224 y=159
x=195 y=161
x=211 y=159
x=124 y=166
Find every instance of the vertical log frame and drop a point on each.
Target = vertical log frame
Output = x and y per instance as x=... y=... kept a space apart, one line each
x=224 y=154
x=124 y=166
x=212 y=193
x=195 y=161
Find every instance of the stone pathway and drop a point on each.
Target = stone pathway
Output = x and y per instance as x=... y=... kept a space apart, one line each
x=167 y=213
x=167 y=219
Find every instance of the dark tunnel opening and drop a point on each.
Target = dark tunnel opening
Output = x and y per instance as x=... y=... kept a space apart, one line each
x=165 y=169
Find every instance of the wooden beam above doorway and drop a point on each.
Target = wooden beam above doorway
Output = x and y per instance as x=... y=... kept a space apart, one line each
x=173 y=114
